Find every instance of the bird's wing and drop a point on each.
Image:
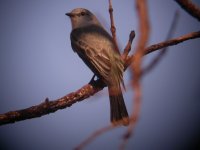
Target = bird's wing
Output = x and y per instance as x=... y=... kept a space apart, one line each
x=96 y=48
x=96 y=58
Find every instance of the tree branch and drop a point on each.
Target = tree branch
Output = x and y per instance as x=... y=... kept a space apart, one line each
x=47 y=106
x=112 y=28
x=191 y=8
x=171 y=42
x=86 y=91
x=128 y=46
x=136 y=69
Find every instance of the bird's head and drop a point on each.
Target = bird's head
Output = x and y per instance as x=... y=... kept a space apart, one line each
x=81 y=17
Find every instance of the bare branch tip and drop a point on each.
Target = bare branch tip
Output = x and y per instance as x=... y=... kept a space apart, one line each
x=132 y=36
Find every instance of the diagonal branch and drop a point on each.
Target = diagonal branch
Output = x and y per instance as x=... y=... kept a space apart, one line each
x=175 y=41
x=47 y=106
x=171 y=42
x=190 y=7
x=86 y=91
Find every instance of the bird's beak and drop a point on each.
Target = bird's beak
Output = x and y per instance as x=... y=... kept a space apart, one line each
x=69 y=14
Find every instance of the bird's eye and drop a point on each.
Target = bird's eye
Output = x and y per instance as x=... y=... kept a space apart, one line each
x=82 y=13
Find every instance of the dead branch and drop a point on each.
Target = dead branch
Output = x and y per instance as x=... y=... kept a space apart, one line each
x=172 y=42
x=47 y=106
x=159 y=46
x=190 y=7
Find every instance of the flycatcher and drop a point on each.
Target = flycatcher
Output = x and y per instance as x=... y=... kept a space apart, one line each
x=96 y=48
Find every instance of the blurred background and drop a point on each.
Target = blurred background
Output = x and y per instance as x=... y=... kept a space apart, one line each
x=36 y=61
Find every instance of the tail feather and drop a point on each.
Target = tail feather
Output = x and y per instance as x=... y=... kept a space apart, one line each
x=119 y=114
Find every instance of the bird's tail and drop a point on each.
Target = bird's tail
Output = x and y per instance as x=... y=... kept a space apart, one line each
x=119 y=115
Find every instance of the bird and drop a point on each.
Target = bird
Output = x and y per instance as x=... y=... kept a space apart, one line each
x=95 y=46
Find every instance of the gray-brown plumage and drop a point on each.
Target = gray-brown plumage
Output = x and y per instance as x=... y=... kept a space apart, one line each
x=96 y=48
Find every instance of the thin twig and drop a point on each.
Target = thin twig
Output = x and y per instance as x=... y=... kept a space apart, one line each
x=190 y=7
x=128 y=46
x=175 y=41
x=112 y=28
x=159 y=46
x=93 y=136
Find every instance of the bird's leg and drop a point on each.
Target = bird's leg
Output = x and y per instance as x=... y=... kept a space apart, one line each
x=97 y=83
